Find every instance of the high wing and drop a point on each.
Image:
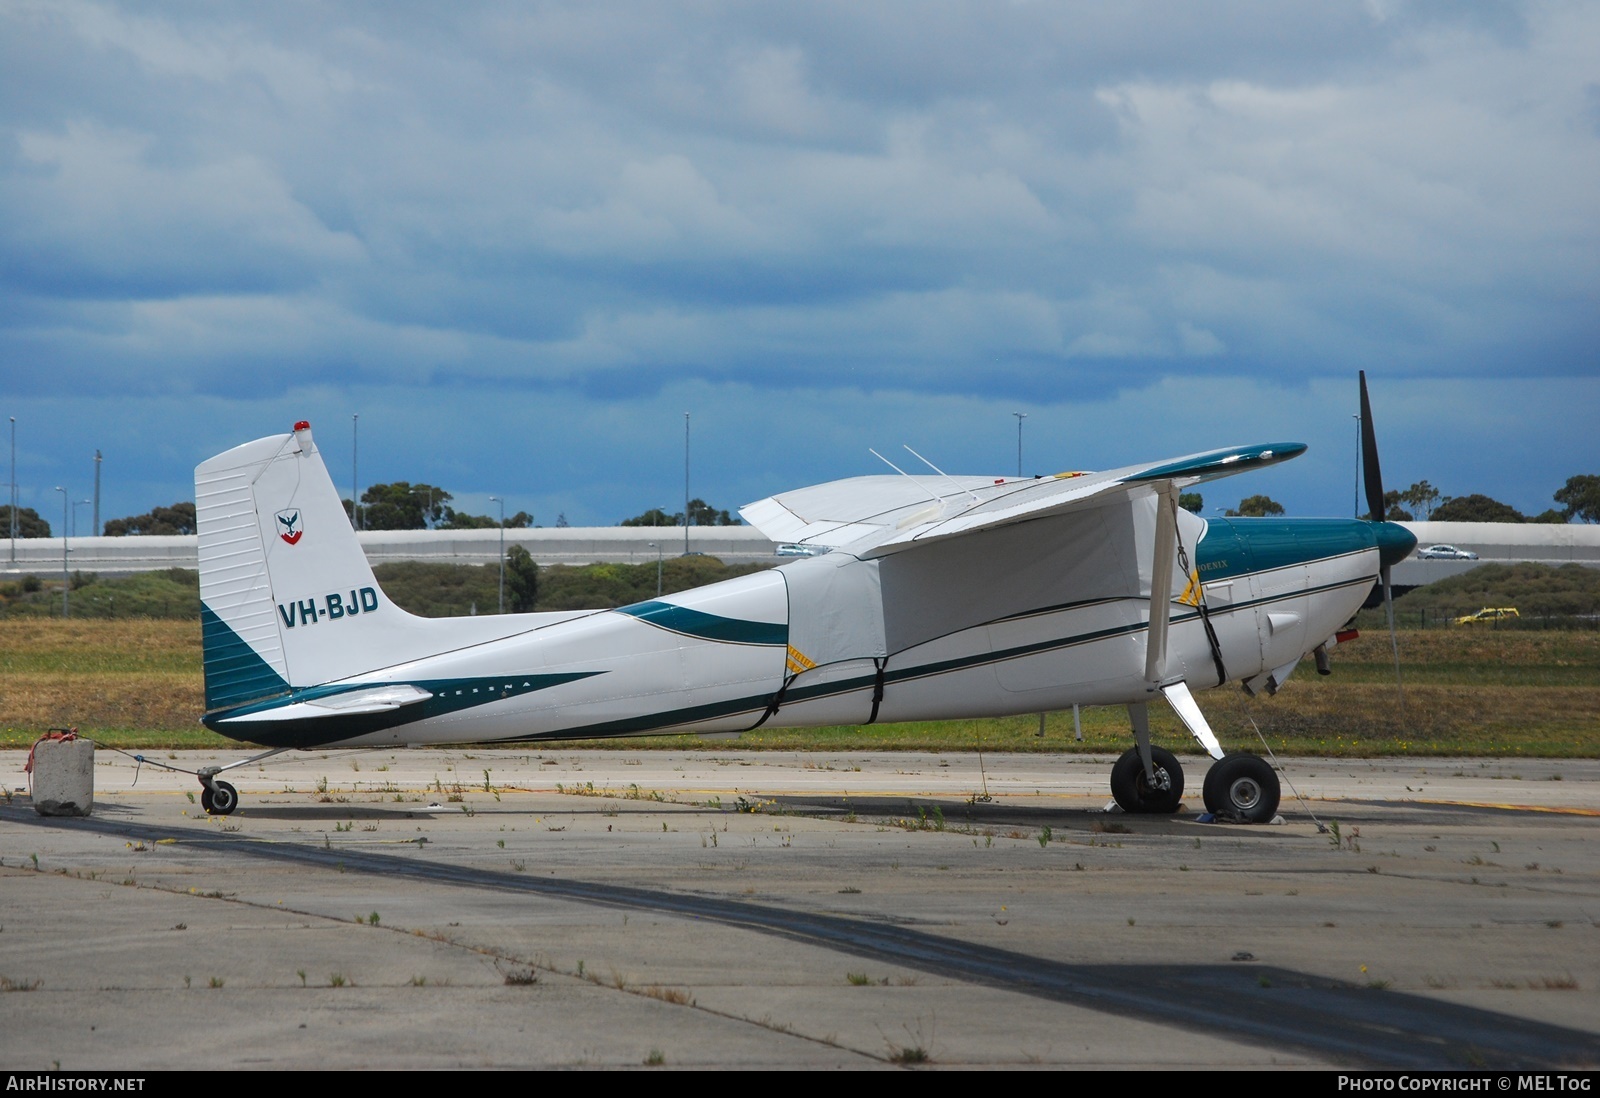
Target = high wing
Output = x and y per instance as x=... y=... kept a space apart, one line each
x=875 y=516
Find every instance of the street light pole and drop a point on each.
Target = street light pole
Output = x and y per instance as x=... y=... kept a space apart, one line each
x=656 y=545
x=13 y=489
x=1357 y=418
x=502 y=503
x=65 y=582
x=1020 y=417
x=355 y=474
x=686 y=484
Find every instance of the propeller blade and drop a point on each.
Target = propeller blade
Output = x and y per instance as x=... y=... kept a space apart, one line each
x=1369 y=457
x=1394 y=636
x=1375 y=512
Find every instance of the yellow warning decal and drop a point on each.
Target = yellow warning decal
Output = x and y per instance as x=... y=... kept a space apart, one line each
x=1191 y=593
x=798 y=661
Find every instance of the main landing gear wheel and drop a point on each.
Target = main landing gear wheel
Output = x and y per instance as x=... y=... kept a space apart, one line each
x=219 y=799
x=1135 y=792
x=1242 y=787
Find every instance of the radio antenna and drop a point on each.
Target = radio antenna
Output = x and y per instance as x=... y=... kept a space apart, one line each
x=931 y=495
x=944 y=474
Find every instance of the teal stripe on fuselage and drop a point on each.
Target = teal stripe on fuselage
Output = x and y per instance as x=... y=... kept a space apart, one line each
x=449 y=696
x=697 y=623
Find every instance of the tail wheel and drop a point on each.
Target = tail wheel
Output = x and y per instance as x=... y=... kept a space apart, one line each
x=1242 y=787
x=219 y=799
x=1134 y=790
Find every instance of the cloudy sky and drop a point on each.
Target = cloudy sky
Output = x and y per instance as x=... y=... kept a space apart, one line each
x=521 y=240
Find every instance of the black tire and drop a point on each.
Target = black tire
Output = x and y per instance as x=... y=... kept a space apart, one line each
x=205 y=798
x=1133 y=790
x=1242 y=788
x=220 y=800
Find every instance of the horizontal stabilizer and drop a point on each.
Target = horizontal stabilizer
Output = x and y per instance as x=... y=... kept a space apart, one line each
x=374 y=699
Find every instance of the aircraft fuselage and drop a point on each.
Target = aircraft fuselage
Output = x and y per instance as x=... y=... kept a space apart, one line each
x=1032 y=617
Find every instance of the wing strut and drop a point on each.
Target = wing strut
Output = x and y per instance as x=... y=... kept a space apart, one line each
x=1155 y=656
x=1166 y=549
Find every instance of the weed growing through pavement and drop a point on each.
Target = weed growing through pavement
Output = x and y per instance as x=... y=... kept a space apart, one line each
x=918 y=1051
x=516 y=975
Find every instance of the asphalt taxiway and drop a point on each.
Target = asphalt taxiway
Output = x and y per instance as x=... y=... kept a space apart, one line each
x=620 y=908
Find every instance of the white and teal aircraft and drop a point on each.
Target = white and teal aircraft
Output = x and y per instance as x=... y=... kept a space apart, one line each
x=924 y=599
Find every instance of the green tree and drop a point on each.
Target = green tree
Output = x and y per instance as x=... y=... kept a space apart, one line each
x=1392 y=511
x=29 y=524
x=1192 y=501
x=702 y=513
x=177 y=519
x=522 y=580
x=653 y=517
x=1580 y=498
x=403 y=506
x=1257 y=507
x=458 y=520
x=1421 y=497
x=1476 y=508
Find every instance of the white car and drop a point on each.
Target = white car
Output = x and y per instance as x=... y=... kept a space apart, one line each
x=1445 y=552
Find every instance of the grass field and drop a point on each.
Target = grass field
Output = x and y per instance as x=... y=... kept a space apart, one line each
x=137 y=683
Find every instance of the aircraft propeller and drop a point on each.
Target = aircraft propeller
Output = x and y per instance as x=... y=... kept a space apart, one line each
x=1375 y=512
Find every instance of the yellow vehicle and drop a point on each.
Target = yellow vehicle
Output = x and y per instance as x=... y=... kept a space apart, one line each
x=1489 y=614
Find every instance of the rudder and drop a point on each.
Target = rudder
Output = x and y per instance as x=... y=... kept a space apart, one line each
x=288 y=599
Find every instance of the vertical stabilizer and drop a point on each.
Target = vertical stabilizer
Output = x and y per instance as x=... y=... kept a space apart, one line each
x=288 y=599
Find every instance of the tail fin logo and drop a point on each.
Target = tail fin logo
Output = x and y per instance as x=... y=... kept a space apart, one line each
x=289 y=525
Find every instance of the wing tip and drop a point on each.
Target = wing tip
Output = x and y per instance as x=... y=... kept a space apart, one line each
x=1225 y=462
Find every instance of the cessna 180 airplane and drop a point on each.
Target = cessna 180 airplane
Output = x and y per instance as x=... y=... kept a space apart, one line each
x=924 y=599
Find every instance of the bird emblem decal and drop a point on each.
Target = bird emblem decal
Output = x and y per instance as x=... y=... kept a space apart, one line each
x=289 y=524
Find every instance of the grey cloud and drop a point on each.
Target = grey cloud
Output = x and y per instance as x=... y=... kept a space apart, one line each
x=928 y=201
